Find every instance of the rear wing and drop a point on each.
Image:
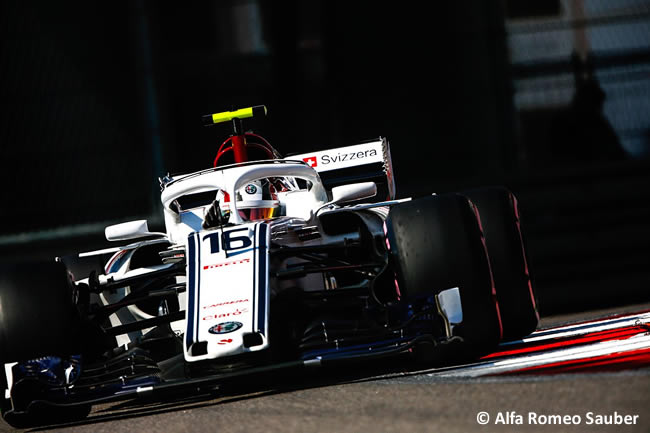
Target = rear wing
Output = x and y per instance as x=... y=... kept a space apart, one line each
x=369 y=161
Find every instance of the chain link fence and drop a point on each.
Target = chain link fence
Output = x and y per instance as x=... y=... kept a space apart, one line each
x=554 y=52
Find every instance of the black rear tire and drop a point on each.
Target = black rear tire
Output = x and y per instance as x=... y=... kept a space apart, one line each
x=499 y=214
x=436 y=244
x=37 y=313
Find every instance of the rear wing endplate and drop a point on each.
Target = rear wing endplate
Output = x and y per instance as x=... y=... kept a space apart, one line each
x=365 y=162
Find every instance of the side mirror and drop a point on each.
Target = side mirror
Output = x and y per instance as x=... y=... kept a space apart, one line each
x=352 y=192
x=129 y=230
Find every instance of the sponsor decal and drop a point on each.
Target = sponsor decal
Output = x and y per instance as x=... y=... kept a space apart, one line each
x=225 y=328
x=219 y=304
x=219 y=265
x=251 y=189
x=341 y=157
x=225 y=341
x=237 y=312
x=311 y=160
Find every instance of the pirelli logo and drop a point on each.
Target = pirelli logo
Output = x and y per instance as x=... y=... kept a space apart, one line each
x=219 y=265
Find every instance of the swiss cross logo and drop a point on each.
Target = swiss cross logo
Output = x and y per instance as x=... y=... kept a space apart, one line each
x=312 y=161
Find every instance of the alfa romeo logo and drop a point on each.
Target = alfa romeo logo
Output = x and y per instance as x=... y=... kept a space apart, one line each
x=225 y=327
x=251 y=189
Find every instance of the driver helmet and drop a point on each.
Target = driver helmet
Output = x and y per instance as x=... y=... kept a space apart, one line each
x=256 y=201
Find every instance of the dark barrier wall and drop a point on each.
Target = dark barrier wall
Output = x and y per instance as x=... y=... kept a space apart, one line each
x=72 y=144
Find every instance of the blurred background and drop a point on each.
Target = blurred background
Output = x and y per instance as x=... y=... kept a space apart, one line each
x=551 y=98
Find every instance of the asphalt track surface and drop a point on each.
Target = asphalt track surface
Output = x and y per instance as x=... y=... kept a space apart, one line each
x=402 y=402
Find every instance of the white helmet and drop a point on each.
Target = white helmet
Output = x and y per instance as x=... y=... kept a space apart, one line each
x=255 y=201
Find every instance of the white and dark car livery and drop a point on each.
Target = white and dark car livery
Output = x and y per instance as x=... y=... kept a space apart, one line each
x=263 y=267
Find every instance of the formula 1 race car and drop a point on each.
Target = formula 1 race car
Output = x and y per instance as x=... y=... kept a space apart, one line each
x=263 y=268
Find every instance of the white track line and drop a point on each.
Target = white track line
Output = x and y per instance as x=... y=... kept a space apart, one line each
x=583 y=328
x=561 y=355
x=514 y=363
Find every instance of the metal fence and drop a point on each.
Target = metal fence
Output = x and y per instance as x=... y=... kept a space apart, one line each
x=555 y=50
